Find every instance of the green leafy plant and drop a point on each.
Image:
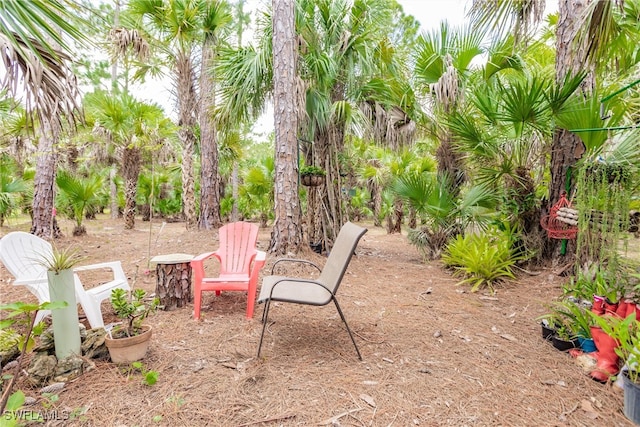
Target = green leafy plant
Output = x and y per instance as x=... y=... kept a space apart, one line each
x=483 y=259
x=132 y=310
x=20 y=313
x=577 y=318
x=149 y=376
x=565 y=333
x=61 y=259
x=312 y=170
x=78 y=195
x=445 y=215
x=627 y=333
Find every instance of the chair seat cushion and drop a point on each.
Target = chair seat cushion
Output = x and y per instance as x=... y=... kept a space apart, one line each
x=294 y=290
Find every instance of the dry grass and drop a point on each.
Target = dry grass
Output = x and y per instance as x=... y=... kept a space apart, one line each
x=433 y=353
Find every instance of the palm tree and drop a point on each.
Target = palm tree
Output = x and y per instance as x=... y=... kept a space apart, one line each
x=132 y=126
x=259 y=189
x=344 y=57
x=576 y=48
x=78 y=194
x=34 y=67
x=215 y=19
x=446 y=215
x=443 y=60
x=175 y=25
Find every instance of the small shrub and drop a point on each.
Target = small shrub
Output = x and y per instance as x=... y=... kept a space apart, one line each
x=312 y=170
x=482 y=259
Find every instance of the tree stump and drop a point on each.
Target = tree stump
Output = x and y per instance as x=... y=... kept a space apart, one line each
x=173 y=280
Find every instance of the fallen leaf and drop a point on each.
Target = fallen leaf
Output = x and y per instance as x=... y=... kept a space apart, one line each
x=588 y=408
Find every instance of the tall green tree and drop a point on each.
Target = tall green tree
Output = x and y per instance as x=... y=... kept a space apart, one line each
x=134 y=127
x=35 y=64
x=175 y=26
x=443 y=61
x=286 y=235
x=215 y=17
x=345 y=60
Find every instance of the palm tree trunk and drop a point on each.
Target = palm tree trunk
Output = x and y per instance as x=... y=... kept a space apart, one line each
x=376 y=193
x=113 y=192
x=187 y=102
x=327 y=145
x=209 y=179
x=287 y=233
x=235 y=185
x=131 y=170
x=44 y=182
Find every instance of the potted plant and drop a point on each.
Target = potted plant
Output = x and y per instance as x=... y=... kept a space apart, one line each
x=312 y=176
x=129 y=341
x=627 y=334
x=60 y=278
x=549 y=324
x=565 y=338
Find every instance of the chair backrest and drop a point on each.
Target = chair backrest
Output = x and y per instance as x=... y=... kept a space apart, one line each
x=237 y=247
x=23 y=255
x=340 y=255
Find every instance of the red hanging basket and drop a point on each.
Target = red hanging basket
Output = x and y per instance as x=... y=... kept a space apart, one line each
x=557 y=229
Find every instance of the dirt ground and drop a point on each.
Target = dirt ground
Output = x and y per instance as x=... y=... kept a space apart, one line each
x=434 y=354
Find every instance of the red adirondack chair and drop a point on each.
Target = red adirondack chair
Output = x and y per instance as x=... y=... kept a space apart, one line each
x=240 y=263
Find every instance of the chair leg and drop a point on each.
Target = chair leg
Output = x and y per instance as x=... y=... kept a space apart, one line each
x=265 y=314
x=345 y=324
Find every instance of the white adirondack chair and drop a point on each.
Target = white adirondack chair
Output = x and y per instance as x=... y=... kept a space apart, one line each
x=22 y=254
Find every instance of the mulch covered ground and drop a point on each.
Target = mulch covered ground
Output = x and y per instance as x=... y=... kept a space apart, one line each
x=433 y=353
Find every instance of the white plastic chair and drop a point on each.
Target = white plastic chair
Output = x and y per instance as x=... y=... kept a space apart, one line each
x=22 y=254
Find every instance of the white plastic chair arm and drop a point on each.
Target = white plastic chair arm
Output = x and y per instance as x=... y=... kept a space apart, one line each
x=30 y=281
x=115 y=266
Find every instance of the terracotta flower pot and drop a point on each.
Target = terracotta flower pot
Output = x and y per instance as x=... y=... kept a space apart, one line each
x=129 y=349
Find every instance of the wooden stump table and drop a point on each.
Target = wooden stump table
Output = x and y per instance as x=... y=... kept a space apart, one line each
x=173 y=280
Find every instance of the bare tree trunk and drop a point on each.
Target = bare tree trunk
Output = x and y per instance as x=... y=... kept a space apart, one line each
x=131 y=170
x=287 y=233
x=234 y=192
x=187 y=103
x=114 y=64
x=113 y=191
x=42 y=224
x=376 y=194
x=398 y=216
x=327 y=145
x=570 y=59
x=209 y=179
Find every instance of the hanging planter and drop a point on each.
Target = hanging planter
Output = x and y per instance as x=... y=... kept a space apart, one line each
x=311 y=176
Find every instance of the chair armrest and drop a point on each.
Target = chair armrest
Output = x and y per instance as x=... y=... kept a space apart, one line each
x=258 y=263
x=30 y=281
x=202 y=257
x=261 y=256
x=302 y=261
x=115 y=266
x=310 y=281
